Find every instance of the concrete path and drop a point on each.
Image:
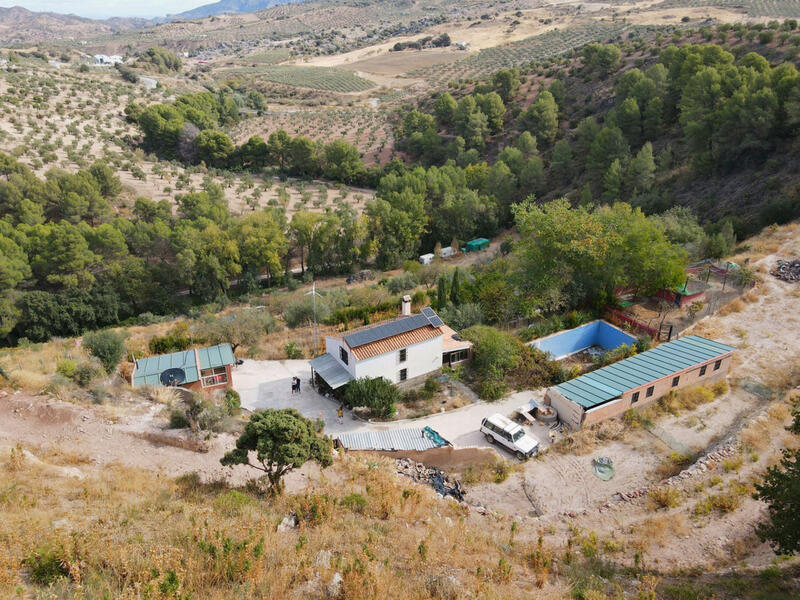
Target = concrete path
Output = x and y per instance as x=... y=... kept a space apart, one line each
x=268 y=384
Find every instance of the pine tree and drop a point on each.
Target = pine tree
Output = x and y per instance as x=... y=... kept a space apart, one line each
x=612 y=182
x=641 y=172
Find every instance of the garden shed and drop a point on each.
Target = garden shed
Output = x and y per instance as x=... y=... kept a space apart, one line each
x=476 y=245
x=195 y=369
x=692 y=290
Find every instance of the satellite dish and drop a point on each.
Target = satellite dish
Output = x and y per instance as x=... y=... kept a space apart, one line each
x=172 y=377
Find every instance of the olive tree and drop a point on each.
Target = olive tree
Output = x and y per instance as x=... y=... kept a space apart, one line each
x=276 y=442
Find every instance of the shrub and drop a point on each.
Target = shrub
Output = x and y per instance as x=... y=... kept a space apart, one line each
x=665 y=497
x=720 y=388
x=176 y=340
x=354 y=502
x=47 y=565
x=301 y=312
x=401 y=283
x=377 y=395
x=292 y=351
x=86 y=372
x=231 y=502
x=66 y=367
x=313 y=509
x=107 y=346
x=178 y=419
x=733 y=464
x=431 y=385
x=233 y=402
x=462 y=316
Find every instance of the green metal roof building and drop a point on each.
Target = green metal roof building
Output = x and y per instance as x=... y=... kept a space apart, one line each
x=641 y=379
x=476 y=244
x=208 y=366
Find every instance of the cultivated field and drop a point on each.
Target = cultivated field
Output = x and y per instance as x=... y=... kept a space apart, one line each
x=60 y=118
x=367 y=128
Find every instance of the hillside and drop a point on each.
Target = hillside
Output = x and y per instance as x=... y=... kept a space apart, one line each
x=231 y=7
x=260 y=183
x=19 y=26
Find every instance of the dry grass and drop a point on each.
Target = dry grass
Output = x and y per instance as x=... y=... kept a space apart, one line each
x=586 y=440
x=122 y=531
x=496 y=472
x=164 y=439
x=734 y=306
x=672 y=465
x=664 y=497
x=659 y=530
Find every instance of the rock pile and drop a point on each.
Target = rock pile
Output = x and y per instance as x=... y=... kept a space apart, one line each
x=440 y=481
x=787 y=270
x=706 y=463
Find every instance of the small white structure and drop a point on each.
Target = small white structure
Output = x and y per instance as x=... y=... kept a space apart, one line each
x=426 y=259
x=406 y=348
x=447 y=252
x=103 y=60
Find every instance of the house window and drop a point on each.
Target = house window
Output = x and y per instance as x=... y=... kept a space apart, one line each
x=675 y=381
x=635 y=397
x=403 y=355
x=403 y=374
x=650 y=391
x=212 y=377
x=455 y=356
x=703 y=370
x=343 y=355
x=717 y=365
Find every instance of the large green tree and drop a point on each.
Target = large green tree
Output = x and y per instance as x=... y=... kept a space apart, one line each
x=780 y=489
x=276 y=442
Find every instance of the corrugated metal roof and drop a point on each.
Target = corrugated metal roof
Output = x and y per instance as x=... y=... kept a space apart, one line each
x=609 y=382
x=216 y=356
x=396 y=342
x=149 y=369
x=392 y=439
x=334 y=374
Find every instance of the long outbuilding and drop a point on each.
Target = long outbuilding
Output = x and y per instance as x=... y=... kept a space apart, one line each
x=640 y=380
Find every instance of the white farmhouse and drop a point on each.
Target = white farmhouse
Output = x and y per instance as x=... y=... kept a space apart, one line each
x=402 y=350
x=103 y=60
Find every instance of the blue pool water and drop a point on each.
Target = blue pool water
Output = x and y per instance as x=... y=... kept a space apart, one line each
x=596 y=333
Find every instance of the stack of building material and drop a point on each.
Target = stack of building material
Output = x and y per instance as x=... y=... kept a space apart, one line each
x=787 y=270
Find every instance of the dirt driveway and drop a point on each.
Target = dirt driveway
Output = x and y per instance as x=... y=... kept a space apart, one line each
x=267 y=384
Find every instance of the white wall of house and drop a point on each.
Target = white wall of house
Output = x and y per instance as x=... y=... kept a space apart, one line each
x=421 y=358
x=332 y=346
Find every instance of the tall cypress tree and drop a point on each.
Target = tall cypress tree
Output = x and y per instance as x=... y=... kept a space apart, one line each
x=441 y=291
x=455 y=289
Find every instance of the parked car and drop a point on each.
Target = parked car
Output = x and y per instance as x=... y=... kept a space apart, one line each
x=504 y=431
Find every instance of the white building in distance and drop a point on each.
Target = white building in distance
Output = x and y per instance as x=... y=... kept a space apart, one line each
x=103 y=60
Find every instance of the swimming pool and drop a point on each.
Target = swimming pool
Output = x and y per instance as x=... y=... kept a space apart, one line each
x=596 y=333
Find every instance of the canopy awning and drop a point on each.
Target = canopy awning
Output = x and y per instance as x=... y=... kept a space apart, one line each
x=334 y=374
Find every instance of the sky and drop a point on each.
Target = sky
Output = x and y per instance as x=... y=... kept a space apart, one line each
x=108 y=8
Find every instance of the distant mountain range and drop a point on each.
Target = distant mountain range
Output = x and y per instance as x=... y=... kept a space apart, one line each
x=21 y=26
x=231 y=7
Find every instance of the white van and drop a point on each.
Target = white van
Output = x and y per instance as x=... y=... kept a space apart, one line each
x=506 y=432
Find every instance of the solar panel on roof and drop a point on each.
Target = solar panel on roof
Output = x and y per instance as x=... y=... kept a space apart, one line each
x=396 y=327
x=433 y=318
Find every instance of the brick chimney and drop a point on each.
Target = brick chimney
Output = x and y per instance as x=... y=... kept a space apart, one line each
x=406 y=305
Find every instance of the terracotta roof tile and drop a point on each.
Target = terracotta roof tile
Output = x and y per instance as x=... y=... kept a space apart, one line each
x=396 y=342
